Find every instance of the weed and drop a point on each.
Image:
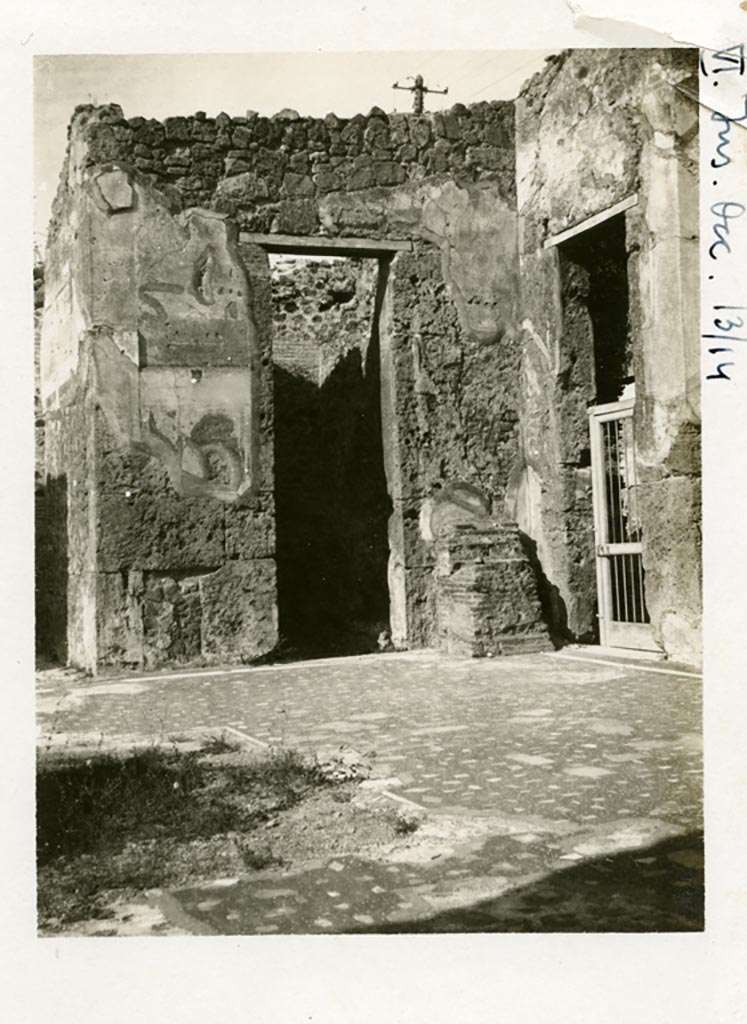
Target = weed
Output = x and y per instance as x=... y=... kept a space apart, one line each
x=220 y=745
x=404 y=826
x=402 y=823
x=283 y=725
x=259 y=858
x=111 y=823
x=346 y=766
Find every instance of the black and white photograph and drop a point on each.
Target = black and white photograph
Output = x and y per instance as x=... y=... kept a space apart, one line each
x=374 y=470
x=368 y=564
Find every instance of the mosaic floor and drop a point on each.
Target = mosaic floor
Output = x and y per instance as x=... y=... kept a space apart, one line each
x=562 y=793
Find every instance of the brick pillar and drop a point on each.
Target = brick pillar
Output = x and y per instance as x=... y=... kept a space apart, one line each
x=486 y=594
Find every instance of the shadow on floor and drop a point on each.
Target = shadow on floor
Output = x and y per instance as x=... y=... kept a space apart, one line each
x=342 y=644
x=659 y=888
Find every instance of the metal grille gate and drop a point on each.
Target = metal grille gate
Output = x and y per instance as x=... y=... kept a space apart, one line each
x=623 y=618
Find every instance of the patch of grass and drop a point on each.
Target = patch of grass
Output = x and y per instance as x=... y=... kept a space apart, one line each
x=109 y=824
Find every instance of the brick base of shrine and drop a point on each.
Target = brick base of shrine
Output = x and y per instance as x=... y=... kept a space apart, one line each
x=487 y=603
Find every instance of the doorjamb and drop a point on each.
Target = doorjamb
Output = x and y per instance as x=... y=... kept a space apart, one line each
x=384 y=251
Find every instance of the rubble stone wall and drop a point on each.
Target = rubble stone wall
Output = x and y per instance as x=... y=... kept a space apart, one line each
x=166 y=314
x=158 y=347
x=272 y=174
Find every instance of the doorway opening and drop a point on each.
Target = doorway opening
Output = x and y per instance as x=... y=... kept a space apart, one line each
x=331 y=497
x=594 y=275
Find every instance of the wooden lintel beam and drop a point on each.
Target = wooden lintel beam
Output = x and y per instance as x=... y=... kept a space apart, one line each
x=316 y=245
x=591 y=222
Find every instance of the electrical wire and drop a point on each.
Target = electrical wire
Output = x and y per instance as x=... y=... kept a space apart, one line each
x=427 y=70
x=474 y=69
x=514 y=71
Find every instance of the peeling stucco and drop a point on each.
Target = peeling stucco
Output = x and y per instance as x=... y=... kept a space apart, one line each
x=157 y=357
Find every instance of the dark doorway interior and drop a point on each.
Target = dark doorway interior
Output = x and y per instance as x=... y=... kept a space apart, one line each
x=595 y=368
x=595 y=279
x=51 y=570
x=332 y=504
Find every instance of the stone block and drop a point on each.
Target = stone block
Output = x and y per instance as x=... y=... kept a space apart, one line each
x=326 y=181
x=299 y=163
x=352 y=133
x=297 y=184
x=250 y=530
x=451 y=125
x=297 y=217
x=286 y=114
x=388 y=173
x=160 y=531
x=119 y=620
x=239 y=610
x=420 y=131
x=419 y=599
x=81 y=620
x=376 y=135
x=236 y=165
x=241 y=137
x=247 y=186
x=415 y=552
x=177 y=128
x=672 y=562
x=489 y=157
x=171 y=618
x=406 y=153
x=360 y=179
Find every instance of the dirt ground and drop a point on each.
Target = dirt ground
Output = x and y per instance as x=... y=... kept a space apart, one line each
x=335 y=820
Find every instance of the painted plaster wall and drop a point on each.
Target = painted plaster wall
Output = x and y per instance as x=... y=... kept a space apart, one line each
x=477 y=383
x=454 y=404
x=441 y=177
x=125 y=214
x=592 y=130
x=150 y=339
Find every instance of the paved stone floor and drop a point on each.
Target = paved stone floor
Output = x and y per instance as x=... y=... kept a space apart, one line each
x=562 y=793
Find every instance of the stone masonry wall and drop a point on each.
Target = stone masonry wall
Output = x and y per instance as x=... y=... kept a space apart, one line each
x=322 y=311
x=153 y=332
x=272 y=174
x=594 y=129
x=159 y=316
x=456 y=410
x=181 y=350
x=446 y=178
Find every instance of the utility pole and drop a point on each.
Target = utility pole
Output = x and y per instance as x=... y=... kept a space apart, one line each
x=419 y=90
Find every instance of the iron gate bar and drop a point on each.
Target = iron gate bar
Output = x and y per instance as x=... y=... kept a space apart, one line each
x=623 y=617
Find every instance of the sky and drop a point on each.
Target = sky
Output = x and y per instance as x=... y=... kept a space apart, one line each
x=314 y=84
